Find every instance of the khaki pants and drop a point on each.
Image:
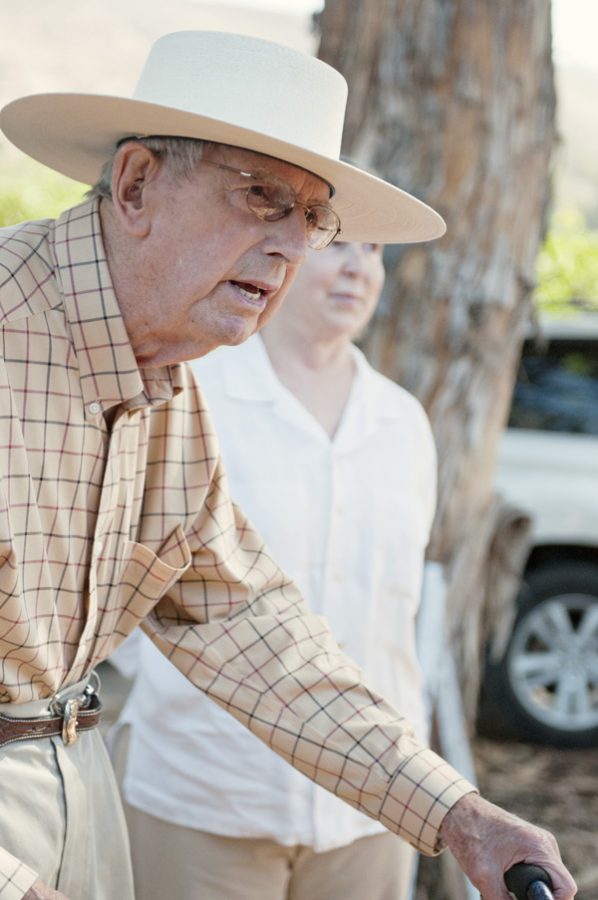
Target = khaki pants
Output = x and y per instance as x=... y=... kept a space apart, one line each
x=61 y=814
x=171 y=861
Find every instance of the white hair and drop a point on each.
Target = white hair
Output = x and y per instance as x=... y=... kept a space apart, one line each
x=181 y=153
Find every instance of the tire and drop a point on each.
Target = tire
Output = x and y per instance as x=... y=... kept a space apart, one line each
x=545 y=688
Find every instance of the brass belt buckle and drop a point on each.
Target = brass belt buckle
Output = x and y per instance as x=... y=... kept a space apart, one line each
x=70 y=712
x=69 y=709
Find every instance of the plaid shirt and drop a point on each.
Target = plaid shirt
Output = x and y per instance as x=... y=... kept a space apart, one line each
x=111 y=521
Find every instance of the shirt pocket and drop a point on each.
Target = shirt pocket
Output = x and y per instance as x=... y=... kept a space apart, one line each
x=146 y=576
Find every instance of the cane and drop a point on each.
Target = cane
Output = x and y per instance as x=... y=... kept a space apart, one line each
x=528 y=882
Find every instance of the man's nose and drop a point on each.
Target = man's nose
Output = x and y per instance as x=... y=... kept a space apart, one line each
x=288 y=237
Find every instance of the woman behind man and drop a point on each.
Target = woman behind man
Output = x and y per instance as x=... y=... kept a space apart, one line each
x=335 y=465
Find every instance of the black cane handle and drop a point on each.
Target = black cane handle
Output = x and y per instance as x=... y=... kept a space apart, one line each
x=529 y=882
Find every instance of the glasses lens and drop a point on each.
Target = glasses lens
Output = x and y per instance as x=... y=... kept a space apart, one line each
x=323 y=225
x=270 y=200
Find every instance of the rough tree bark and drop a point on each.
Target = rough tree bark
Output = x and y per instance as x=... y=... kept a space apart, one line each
x=454 y=100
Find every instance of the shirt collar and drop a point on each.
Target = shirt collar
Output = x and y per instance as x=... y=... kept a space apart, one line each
x=108 y=369
x=377 y=391
x=259 y=383
x=372 y=403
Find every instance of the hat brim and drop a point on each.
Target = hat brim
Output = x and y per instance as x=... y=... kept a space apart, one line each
x=75 y=134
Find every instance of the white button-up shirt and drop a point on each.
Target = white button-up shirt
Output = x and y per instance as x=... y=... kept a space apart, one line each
x=349 y=519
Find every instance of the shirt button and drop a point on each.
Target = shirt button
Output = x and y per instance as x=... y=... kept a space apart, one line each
x=98 y=547
x=94 y=408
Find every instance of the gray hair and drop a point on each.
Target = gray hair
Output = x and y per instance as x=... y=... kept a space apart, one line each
x=181 y=154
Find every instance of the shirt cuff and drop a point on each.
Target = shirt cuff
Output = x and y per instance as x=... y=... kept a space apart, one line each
x=15 y=877
x=422 y=792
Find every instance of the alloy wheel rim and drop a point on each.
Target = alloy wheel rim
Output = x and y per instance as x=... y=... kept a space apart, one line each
x=553 y=662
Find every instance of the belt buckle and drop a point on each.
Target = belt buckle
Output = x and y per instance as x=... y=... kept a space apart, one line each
x=70 y=711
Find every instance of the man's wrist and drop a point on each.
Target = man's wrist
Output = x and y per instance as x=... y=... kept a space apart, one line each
x=460 y=818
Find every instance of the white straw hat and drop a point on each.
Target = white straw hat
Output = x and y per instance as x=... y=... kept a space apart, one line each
x=232 y=89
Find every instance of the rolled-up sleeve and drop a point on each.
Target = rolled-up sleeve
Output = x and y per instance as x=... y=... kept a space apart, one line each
x=238 y=628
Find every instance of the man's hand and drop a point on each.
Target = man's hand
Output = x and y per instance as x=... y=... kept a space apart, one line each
x=486 y=841
x=41 y=891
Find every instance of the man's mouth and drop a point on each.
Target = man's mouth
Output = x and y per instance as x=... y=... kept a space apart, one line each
x=257 y=292
x=251 y=291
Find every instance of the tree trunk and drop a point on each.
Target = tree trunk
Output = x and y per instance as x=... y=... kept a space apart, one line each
x=454 y=101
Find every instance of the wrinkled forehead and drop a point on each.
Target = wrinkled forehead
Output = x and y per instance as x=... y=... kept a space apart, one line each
x=306 y=184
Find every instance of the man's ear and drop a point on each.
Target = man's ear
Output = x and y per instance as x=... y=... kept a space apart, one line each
x=134 y=169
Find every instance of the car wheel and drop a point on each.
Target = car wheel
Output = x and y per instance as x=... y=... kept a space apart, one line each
x=545 y=688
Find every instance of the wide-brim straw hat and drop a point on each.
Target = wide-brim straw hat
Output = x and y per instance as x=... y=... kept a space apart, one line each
x=232 y=89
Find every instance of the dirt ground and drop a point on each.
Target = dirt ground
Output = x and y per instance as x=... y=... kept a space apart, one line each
x=554 y=788
x=557 y=789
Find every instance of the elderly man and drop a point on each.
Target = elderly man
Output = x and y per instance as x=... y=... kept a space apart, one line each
x=115 y=505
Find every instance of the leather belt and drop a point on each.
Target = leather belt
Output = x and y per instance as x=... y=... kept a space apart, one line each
x=75 y=715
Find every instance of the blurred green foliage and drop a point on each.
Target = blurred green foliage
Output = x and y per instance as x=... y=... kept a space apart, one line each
x=29 y=190
x=567 y=270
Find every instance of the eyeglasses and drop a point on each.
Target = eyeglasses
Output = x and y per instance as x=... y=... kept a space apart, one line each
x=271 y=199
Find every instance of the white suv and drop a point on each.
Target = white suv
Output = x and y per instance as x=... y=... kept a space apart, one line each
x=545 y=686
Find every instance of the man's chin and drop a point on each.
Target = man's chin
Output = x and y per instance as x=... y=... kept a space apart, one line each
x=239 y=334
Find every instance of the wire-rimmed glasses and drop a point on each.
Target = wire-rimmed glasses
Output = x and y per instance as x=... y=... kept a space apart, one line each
x=271 y=199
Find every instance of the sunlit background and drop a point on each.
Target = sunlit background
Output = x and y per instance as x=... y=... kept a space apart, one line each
x=79 y=45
